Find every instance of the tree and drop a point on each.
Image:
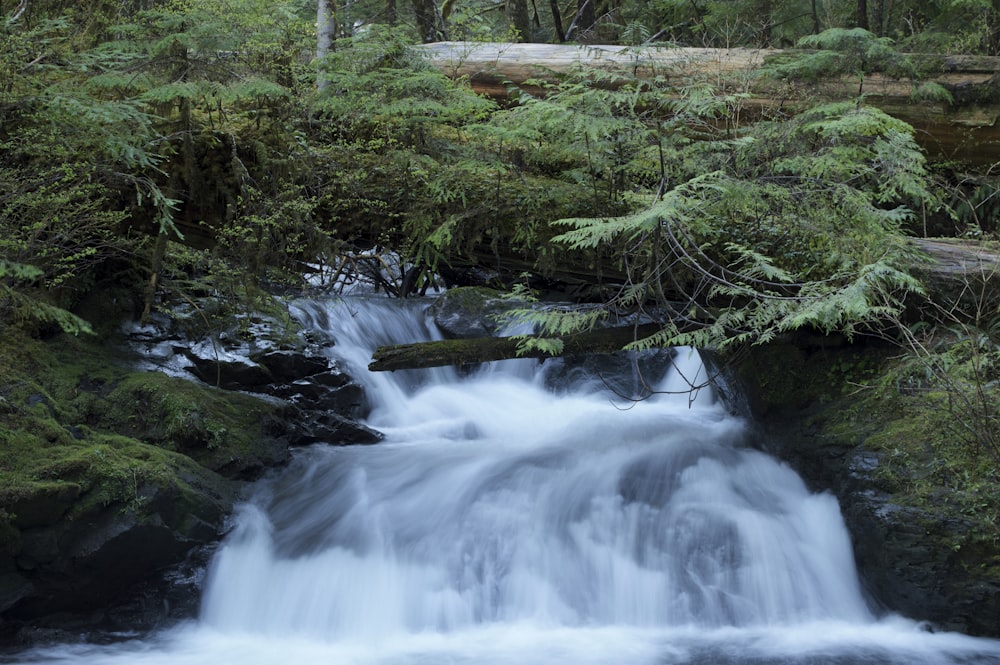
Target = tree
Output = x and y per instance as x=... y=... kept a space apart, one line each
x=326 y=31
x=734 y=234
x=429 y=21
x=517 y=13
x=862 y=15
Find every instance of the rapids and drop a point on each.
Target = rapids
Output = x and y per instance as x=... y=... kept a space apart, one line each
x=531 y=513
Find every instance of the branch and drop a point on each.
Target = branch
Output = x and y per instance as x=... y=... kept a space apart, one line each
x=18 y=12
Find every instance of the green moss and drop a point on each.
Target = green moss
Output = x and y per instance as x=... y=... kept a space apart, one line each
x=929 y=456
x=182 y=415
x=81 y=433
x=924 y=432
x=805 y=372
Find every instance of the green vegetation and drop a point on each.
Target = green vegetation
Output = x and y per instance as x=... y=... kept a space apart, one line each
x=79 y=432
x=176 y=149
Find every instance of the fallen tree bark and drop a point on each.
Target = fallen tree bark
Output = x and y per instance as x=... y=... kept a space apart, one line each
x=966 y=129
x=484 y=349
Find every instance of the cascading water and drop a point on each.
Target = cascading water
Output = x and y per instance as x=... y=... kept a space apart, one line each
x=525 y=513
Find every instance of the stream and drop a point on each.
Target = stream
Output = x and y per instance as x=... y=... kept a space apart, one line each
x=532 y=513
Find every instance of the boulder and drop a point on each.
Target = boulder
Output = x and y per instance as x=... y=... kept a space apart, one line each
x=471 y=311
x=916 y=555
x=83 y=563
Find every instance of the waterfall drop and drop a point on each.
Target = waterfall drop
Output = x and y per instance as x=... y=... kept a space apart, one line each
x=525 y=513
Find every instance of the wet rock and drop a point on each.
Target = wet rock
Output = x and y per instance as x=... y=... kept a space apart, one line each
x=13 y=588
x=46 y=506
x=471 y=311
x=330 y=428
x=914 y=558
x=84 y=564
x=268 y=359
x=229 y=374
x=287 y=365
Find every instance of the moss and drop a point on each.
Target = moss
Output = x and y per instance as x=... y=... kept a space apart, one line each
x=804 y=372
x=81 y=433
x=873 y=399
x=181 y=415
x=929 y=457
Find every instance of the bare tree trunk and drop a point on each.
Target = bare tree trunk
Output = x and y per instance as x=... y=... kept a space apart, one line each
x=517 y=14
x=326 y=32
x=584 y=19
x=815 y=18
x=557 y=20
x=879 y=23
x=18 y=11
x=862 y=15
x=429 y=21
x=764 y=35
x=391 y=16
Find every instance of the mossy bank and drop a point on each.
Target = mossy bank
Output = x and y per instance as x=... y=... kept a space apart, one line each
x=108 y=474
x=896 y=443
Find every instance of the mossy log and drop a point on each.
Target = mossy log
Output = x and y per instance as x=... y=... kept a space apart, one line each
x=954 y=272
x=484 y=349
x=965 y=129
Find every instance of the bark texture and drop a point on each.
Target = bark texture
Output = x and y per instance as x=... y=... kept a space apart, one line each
x=966 y=129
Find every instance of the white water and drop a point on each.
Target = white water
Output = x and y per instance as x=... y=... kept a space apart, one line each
x=526 y=514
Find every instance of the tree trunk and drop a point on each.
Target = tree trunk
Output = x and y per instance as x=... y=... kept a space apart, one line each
x=517 y=14
x=22 y=6
x=485 y=349
x=391 y=16
x=765 y=37
x=326 y=32
x=965 y=130
x=861 y=16
x=429 y=21
x=584 y=19
x=557 y=20
x=879 y=22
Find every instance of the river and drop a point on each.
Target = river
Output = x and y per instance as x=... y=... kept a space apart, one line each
x=530 y=513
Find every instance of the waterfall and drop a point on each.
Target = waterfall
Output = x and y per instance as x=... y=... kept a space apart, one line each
x=528 y=512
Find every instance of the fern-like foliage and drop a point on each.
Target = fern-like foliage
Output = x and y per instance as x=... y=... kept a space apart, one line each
x=792 y=224
x=857 y=52
x=20 y=307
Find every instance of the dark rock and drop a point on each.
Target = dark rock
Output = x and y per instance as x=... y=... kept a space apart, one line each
x=331 y=379
x=333 y=429
x=45 y=506
x=13 y=588
x=471 y=311
x=909 y=558
x=229 y=374
x=84 y=564
x=286 y=366
x=629 y=375
x=348 y=400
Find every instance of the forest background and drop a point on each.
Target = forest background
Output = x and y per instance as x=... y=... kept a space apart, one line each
x=180 y=149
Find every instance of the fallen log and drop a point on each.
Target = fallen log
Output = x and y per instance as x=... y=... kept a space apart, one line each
x=966 y=129
x=484 y=349
x=958 y=274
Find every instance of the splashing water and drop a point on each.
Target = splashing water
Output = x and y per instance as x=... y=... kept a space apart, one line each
x=524 y=513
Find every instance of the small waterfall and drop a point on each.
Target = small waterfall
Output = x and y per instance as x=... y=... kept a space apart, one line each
x=526 y=513
x=495 y=499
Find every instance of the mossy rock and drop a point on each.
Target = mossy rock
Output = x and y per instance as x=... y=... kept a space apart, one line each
x=107 y=474
x=922 y=505
x=471 y=311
